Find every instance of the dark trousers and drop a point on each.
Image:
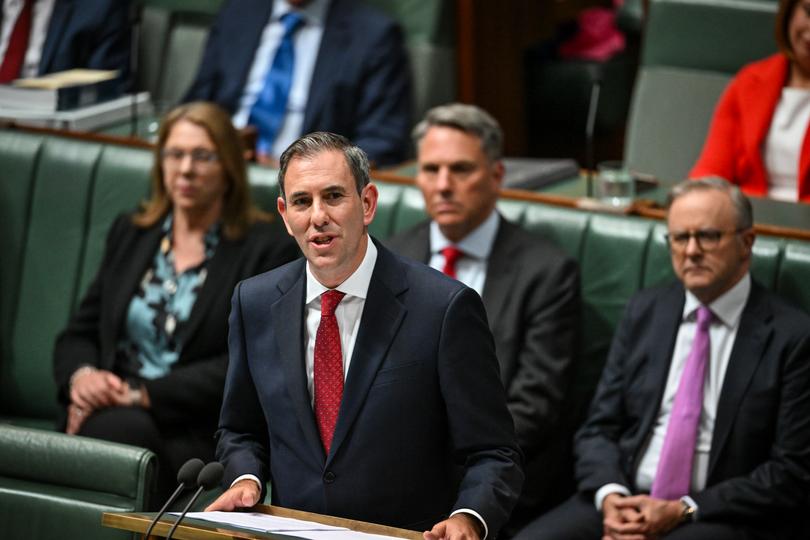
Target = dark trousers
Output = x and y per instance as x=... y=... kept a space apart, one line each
x=578 y=519
x=137 y=427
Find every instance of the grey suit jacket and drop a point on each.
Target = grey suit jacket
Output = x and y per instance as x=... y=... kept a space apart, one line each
x=531 y=295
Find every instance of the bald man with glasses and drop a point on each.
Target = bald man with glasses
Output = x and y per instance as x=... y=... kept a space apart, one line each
x=700 y=427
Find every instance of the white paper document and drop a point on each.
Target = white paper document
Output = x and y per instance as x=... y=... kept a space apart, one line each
x=311 y=530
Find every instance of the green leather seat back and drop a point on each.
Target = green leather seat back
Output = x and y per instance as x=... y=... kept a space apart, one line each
x=57 y=486
x=611 y=269
x=49 y=273
x=514 y=211
x=264 y=188
x=430 y=39
x=564 y=226
x=121 y=180
x=691 y=49
x=388 y=204
x=184 y=48
x=18 y=153
x=657 y=263
x=794 y=272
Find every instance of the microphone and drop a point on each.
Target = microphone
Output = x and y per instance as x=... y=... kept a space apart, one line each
x=186 y=477
x=590 y=125
x=209 y=478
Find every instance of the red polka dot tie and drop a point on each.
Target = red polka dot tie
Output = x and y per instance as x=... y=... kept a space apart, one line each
x=451 y=255
x=328 y=368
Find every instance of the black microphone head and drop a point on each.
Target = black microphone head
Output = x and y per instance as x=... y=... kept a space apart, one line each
x=188 y=473
x=210 y=475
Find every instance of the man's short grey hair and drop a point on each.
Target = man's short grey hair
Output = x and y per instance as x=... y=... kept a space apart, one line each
x=313 y=144
x=467 y=118
x=742 y=206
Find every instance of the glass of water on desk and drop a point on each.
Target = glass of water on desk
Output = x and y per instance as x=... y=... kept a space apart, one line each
x=614 y=184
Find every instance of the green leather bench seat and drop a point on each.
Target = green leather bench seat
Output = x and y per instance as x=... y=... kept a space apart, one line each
x=66 y=193
x=58 y=197
x=57 y=486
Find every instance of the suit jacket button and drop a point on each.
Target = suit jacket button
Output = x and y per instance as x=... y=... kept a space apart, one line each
x=329 y=477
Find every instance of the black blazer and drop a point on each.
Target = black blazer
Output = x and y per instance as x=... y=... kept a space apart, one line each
x=87 y=34
x=361 y=84
x=423 y=427
x=192 y=392
x=759 y=465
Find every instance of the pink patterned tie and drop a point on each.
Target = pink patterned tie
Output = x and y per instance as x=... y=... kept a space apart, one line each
x=451 y=255
x=328 y=368
x=674 y=474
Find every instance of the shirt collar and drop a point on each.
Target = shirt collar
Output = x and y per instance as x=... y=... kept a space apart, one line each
x=355 y=285
x=313 y=13
x=727 y=308
x=477 y=244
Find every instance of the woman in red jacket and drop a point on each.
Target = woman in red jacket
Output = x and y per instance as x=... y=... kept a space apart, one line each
x=759 y=137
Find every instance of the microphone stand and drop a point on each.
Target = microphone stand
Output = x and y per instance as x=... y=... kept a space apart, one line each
x=135 y=41
x=171 y=499
x=185 y=511
x=590 y=125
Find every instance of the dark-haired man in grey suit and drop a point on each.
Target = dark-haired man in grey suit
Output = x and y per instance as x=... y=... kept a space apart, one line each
x=529 y=286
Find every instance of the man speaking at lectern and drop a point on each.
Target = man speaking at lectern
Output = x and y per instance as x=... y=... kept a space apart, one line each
x=360 y=384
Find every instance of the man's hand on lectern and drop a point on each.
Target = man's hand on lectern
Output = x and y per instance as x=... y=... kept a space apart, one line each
x=242 y=494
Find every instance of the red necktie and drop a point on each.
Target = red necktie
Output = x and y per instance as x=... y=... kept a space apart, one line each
x=451 y=255
x=328 y=368
x=17 y=45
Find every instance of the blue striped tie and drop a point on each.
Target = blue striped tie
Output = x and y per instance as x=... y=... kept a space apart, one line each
x=267 y=114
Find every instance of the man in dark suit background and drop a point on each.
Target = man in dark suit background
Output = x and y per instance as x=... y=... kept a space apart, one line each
x=386 y=408
x=700 y=427
x=350 y=72
x=44 y=36
x=530 y=288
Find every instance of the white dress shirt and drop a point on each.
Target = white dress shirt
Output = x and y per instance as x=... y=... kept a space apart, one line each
x=348 y=312
x=727 y=310
x=41 y=18
x=471 y=269
x=783 y=145
x=306 y=42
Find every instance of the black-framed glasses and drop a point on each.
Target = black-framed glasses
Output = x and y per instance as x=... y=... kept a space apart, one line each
x=199 y=156
x=707 y=239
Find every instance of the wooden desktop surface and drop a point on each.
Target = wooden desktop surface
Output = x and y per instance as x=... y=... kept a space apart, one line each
x=194 y=529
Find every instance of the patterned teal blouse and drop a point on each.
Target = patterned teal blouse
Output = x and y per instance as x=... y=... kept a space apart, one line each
x=160 y=309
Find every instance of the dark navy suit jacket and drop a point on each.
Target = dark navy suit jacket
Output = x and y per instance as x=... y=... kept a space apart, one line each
x=361 y=86
x=87 y=34
x=423 y=427
x=759 y=464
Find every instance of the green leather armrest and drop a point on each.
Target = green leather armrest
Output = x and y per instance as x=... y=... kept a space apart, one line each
x=57 y=459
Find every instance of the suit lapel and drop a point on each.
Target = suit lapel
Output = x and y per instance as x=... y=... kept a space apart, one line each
x=746 y=354
x=382 y=316
x=60 y=17
x=665 y=324
x=288 y=314
x=501 y=272
x=224 y=262
x=331 y=55
x=131 y=271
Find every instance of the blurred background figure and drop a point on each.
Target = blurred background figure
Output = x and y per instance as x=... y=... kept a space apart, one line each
x=43 y=36
x=143 y=360
x=758 y=136
x=306 y=65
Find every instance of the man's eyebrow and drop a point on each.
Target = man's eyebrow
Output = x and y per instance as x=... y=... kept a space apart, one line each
x=298 y=194
x=333 y=189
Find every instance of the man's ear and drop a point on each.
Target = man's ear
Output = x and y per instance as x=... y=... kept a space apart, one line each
x=281 y=205
x=369 y=197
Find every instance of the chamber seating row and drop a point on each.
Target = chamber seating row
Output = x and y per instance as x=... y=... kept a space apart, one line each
x=59 y=195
